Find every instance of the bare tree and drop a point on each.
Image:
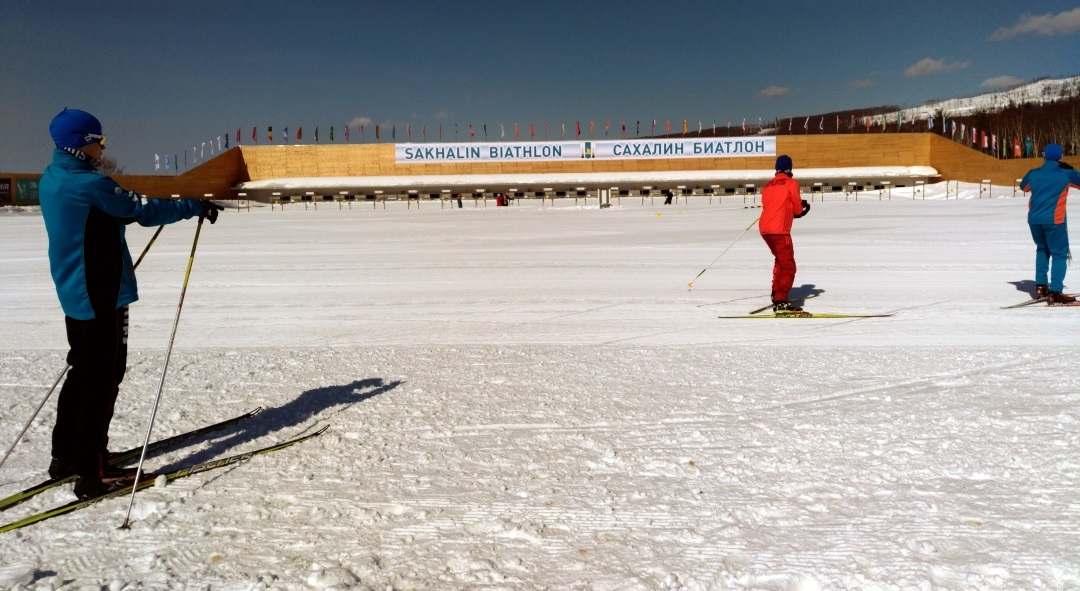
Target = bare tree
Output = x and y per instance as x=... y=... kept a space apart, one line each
x=109 y=166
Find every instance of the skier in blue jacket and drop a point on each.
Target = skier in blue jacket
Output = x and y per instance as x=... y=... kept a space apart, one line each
x=85 y=214
x=1049 y=187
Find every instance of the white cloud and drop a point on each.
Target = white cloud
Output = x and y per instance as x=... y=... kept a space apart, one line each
x=1001 y=82
x=928 y=66
x=864 y=83
x=774 y=91
x=1048 y=24
x=356 y=121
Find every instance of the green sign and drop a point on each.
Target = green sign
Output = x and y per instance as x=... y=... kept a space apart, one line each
x=26 y=190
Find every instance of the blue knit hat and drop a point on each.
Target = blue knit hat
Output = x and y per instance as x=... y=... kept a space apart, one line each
x=783 y=163
x=72 y=128
x=1052 y=152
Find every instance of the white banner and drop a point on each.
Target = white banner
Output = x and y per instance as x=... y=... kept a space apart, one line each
x=487 y=152
x=728 y=147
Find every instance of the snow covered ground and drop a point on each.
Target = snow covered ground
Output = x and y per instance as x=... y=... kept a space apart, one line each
x=531 y=398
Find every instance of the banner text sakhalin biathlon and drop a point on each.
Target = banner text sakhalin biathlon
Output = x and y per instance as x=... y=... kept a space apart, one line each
x=601 y=150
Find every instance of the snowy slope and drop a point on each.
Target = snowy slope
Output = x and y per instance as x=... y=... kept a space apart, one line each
x=531 y=398
x=1038 y=92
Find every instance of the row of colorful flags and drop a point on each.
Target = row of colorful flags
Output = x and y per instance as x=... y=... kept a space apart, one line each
x=198 y=153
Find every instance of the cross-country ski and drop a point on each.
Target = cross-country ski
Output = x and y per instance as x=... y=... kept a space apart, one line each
x=124 y=456
x=151 y=481
x=807 y=315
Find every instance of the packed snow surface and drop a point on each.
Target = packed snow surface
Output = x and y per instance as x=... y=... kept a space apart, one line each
x=533 y=397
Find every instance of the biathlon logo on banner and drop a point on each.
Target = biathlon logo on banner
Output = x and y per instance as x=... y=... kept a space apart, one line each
x=729 y=147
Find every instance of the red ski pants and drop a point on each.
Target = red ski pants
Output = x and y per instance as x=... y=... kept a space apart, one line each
x=783 y=274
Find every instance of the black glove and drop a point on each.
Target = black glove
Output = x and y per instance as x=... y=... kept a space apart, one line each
x=209 y=210
x=805 y=209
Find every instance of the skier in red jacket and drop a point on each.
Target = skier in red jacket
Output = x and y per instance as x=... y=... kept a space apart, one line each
x=780 y=204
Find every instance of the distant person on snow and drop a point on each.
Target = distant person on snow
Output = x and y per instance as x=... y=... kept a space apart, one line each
x=780 y=204
x=85 y=214
x=1049 y=187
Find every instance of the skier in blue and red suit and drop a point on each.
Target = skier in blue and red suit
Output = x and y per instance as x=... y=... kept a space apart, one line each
x=781 y=202
x=1049 y=187
x=85 y=214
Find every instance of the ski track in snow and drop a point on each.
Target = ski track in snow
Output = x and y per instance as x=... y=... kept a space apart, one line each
x=508 y=413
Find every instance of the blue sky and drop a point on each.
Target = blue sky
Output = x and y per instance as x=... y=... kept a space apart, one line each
x=165 y=77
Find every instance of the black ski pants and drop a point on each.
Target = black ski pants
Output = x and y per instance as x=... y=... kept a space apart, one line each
x=84 y=409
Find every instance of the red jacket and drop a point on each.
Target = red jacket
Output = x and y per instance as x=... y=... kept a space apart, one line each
x=780 y=201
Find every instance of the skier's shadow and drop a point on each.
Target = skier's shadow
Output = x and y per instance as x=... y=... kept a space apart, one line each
x=804 y=291
x=1027 y=286
x=308 y=404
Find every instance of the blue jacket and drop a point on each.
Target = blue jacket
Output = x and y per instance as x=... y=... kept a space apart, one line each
x=85 y=215
x=1049 y=187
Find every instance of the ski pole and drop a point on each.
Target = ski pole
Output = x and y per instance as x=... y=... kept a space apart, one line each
x=164 y=369
x=34 y=416
x=691 y=284
x=66 y=368
x=148 y=245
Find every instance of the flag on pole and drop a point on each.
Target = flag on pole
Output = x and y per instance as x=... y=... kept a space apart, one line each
x=563 y=129
x=254 y=136
x=532 y=130
x=423 y=132
x=744 y=124
x=270 y=134
x=331 y=133
x=578 y=125
x=166 y=163
x=393 y=132
x=408 y=130
x=285 y=136
x=653 y=132
x=202 y=150
x=638 y=133
x=440 y=132
x=157 y=162
x=789 y=123
x=471 y=132
x=299 y=132
x=485 y=130
x=238 y=136
x=316 y=134
x=545 y=130
x=607 y=126
x=346 y=132
x=624 y=127
x=502 y=130
x=517 y=130
x=821 y=124
x=378 y=132
x=592 y=128
x=684 y=126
